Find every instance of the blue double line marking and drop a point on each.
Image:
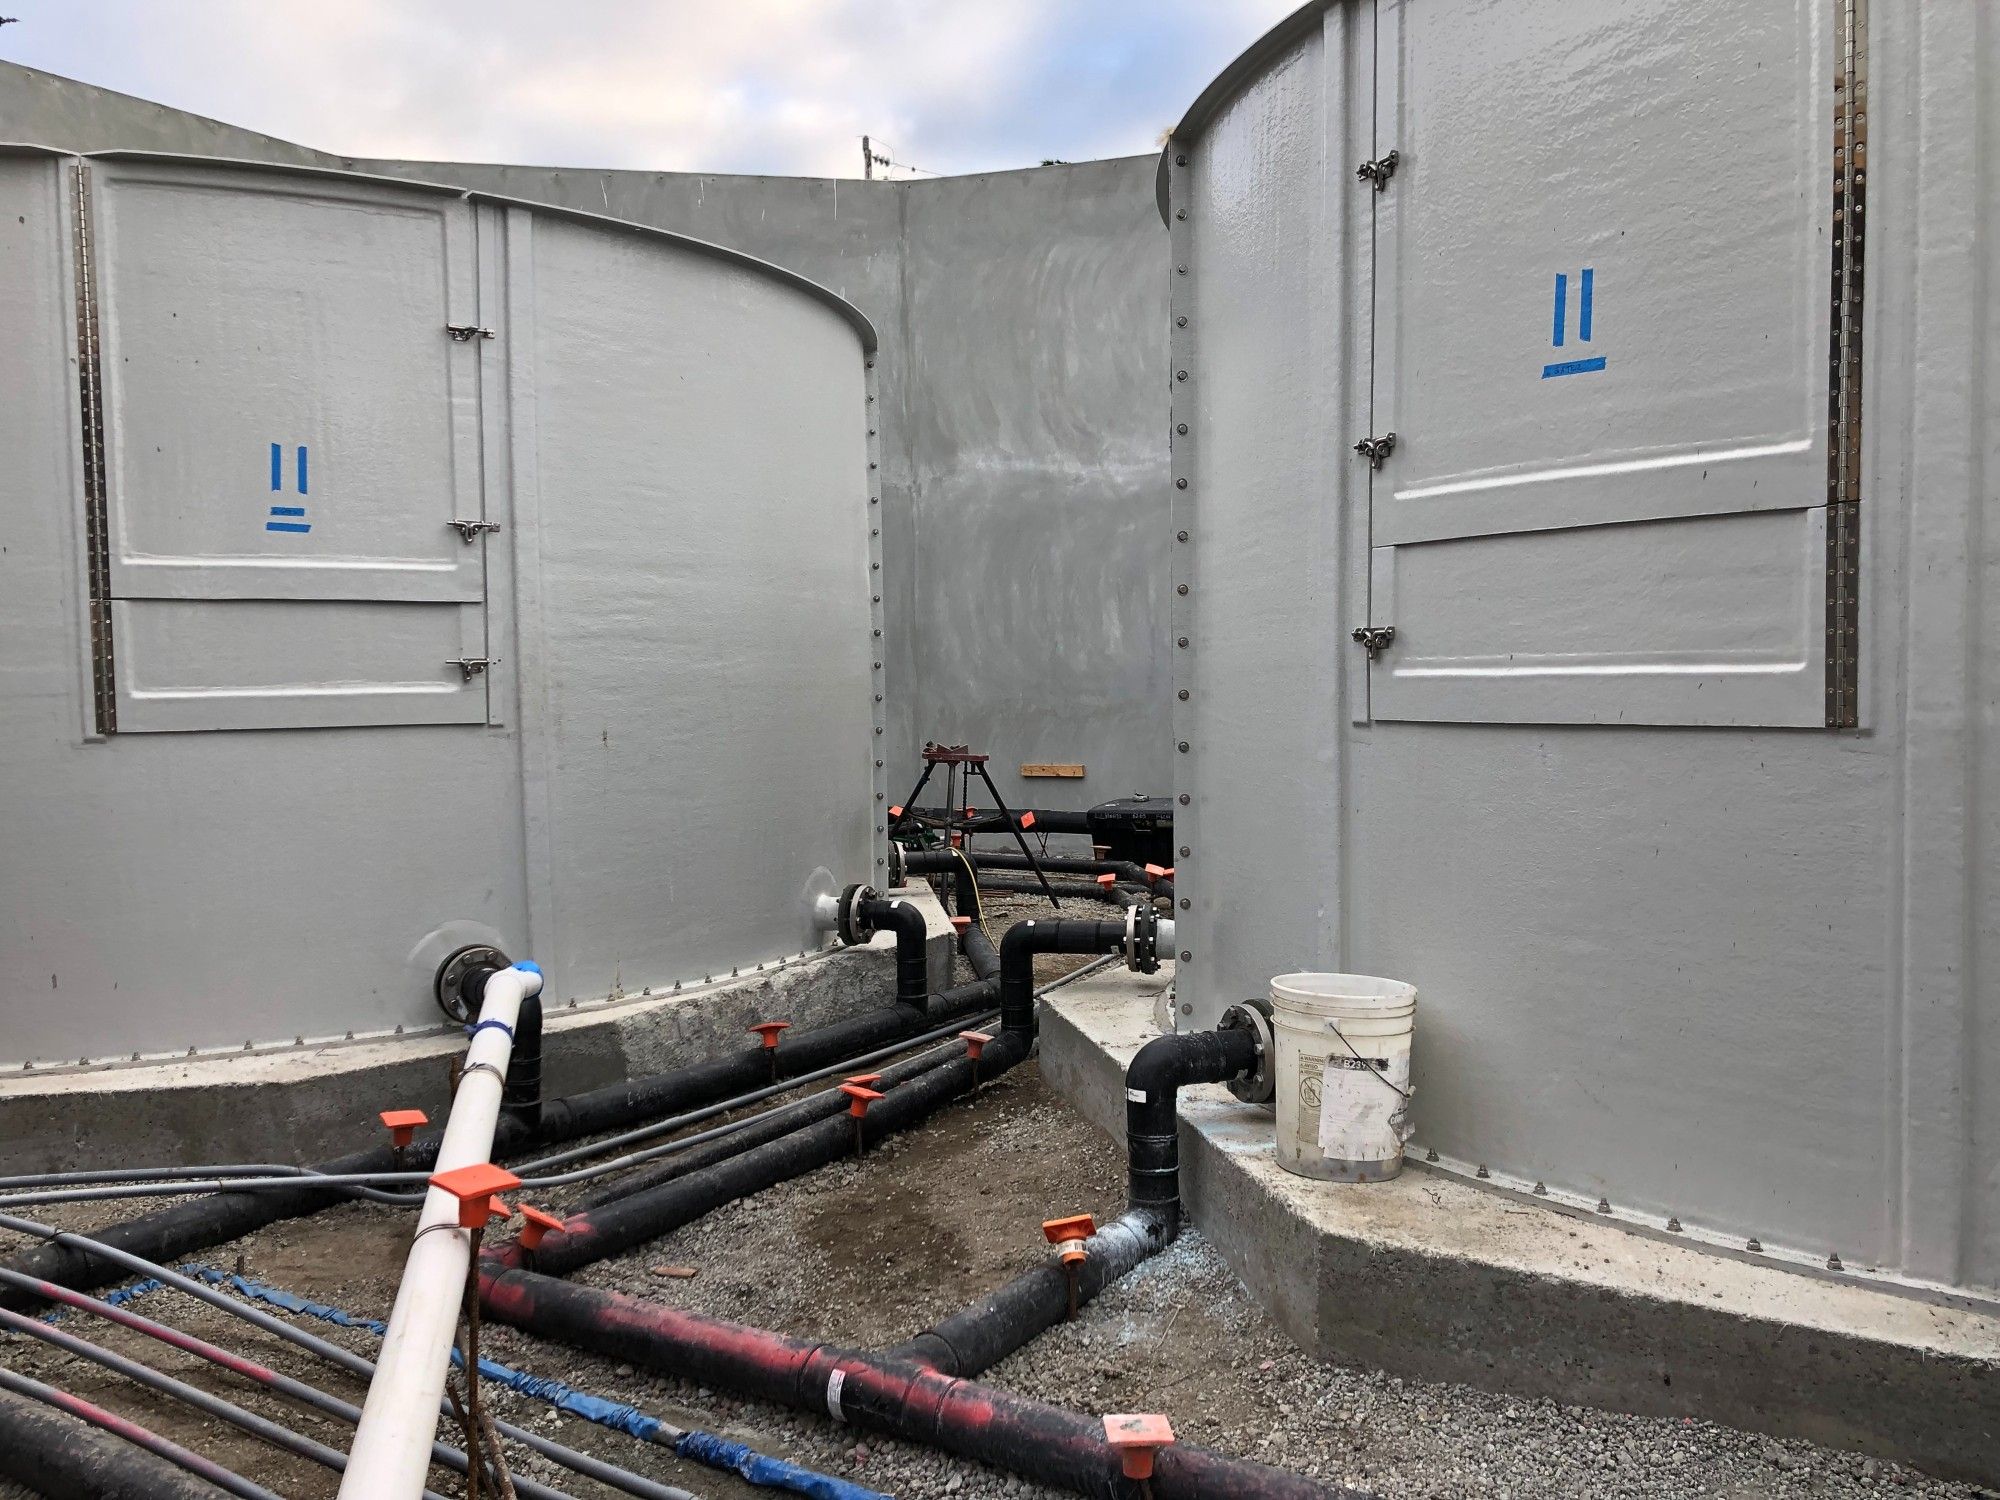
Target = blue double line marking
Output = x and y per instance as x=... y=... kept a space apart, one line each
x=296 y=513
x=1586 y=286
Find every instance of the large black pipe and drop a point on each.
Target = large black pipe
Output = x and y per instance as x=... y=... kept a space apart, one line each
x=1070 y=890
x=913 y=937
x=1046 y=819
x=60 y=1456
x=980 y=1336
x=1126 y=872
x=875 y=1392
x=770 y=1126
x=188 y=1227
x=1044 y=935
x=613 y=1228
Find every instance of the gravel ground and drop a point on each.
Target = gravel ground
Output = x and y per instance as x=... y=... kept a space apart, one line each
x=936 y=1218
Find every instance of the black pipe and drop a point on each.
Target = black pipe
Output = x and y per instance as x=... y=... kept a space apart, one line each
x=1127 y=872
x=613 y=1228
x=1114 y=895
x=66 y=1458
x=773 y=1125
x=1046 y=819
x=913 y=936
x=980 y=1336
x=186 y=1228
x=979 y=953
x=872 y=1391
x=521 y=1095
x=1045 y=935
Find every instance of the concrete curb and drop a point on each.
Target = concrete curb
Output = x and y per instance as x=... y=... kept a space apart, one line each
x=310 y=1102
x=1431 y=1278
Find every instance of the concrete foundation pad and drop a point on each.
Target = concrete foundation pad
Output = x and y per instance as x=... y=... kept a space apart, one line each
x=307 y=1103
x=1431 y=1278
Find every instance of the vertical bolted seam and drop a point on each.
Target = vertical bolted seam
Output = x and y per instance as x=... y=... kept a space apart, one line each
x=1844 y=369
x=1184 y=495
x=96 y=515
x=877 y=641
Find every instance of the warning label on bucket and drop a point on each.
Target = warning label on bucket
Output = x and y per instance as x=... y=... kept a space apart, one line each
x=1362 y=1101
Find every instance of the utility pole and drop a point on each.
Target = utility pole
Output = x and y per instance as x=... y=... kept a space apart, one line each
x=867 y=159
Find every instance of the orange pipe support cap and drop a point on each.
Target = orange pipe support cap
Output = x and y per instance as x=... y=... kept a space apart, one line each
x=1138 y=1436
x=770 y=1032
x=1068 y=1235
x=972 y=812
x=403 y=1124
x=859 y=1097
x=1027 y=820
x=477 y=1189
x=1157 y=872
x=1107 y=880
x=866 y=1080
x=961 y=923
x=538 y=1223
x=975 y=1042
x=895 y=812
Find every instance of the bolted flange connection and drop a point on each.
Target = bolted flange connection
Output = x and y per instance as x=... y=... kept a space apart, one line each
x=849 y=923
x=454 y=986
x=1260 y=1084
x=1144 y=932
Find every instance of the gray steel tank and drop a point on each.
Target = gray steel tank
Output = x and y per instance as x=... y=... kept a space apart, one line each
x=389 y=568
x=1585 y=592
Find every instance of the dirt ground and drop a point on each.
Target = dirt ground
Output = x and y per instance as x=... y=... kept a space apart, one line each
x=870 y=1252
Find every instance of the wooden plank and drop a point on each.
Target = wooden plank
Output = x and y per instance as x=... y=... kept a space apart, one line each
x=1065 y=772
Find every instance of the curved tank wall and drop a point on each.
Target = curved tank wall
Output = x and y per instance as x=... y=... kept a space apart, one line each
x=278 y=731
x=1673 y=789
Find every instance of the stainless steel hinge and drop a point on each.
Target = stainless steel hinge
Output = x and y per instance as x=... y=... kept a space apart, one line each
x=1378 y=171
x=470 y=666
x=1375 y=449
x=470 y=530
x=465 y=333
x=1373 y=638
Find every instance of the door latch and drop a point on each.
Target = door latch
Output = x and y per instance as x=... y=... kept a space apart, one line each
x=469 y=530
x=470 y=667
x=1376 y=449
x=1378 y=172
x=1373 y=638
x=465 y=333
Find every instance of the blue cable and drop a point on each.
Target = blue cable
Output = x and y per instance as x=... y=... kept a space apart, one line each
x=703 y=1447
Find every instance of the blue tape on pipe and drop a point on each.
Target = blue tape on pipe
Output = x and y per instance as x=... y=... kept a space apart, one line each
x=773 y=1473
x=472 y=1031
x=528 y=966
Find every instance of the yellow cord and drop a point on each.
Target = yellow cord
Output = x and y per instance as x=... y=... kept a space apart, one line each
x=972 y=878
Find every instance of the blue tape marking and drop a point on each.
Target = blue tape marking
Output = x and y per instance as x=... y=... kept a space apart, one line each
x=277 y=467
x=287 y=526
x=288 y=510
x=528 y=966
x=721 y=1453
x=1573 y=367
x=1583 y=305
x=1562 y=305
x=496 y=1025
x=302 y=469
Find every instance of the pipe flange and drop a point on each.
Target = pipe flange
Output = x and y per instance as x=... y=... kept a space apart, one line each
x=899 y=868
x=1142 y=939
x=852 y=926
x=1260 y=1084
x=457 y=971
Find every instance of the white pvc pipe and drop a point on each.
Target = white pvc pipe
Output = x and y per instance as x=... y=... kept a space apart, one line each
x=391 y=1456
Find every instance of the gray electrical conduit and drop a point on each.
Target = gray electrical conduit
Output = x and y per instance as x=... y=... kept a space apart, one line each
x=569 y=1458
x=249 y=1369
x=152 y=1182
x=155 y=1380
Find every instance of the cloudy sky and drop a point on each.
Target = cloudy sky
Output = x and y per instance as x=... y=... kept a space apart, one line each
x=778 y=86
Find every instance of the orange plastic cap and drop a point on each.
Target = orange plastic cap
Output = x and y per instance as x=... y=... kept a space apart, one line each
x=770 y=1031
x=1068 y=1235
x=961 y=923
x=1157 y=872
x=1167 y=873
x=972 y=812
x=895 y=812
x=539 y=1223
x=1107 y=879
x=859 y=1097
x=975 y=1042
x=477 y=1189
x=1138 y=1436
x=403 y=1124
x=866 y=1080
x=1027 y=820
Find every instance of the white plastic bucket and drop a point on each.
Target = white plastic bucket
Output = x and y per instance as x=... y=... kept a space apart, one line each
x=1343 y=1043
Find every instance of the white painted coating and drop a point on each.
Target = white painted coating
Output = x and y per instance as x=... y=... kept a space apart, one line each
x=1678 y=950
x=673 y=442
